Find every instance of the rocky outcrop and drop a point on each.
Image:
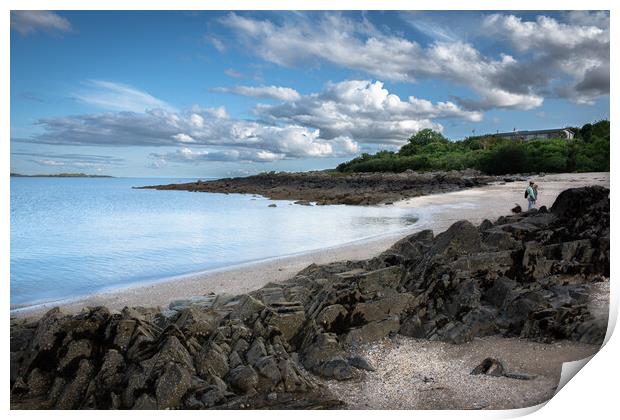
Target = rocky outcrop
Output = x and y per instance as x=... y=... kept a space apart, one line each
x=526 y=275
x=339 y=188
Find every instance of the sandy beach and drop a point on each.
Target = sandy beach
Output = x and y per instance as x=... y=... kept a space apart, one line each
x=418 y=374
x=437 y=212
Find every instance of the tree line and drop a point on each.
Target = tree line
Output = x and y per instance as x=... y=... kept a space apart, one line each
x=429 y=150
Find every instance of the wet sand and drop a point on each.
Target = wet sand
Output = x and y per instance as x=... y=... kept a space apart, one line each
x=437 y=212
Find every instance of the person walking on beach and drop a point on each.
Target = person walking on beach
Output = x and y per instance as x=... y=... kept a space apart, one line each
x=530 y=194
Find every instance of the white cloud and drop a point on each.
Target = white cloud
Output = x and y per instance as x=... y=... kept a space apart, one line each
x=347 y=144
x=364 y=111
x=544 y=33
x=27 y=22
x=217 y=44
x=187 y=155
x=338 y=121
x=272 y=92
x=242 y=139
x=504 y=82
x=183 y=138
x=578 y=49
x=118 y=97
x=49 y=162
x=219 y=112
x=197 y=121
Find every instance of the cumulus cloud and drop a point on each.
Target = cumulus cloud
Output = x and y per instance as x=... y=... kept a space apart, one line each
x=579 y=50
x=502 y=82
x=118 y=97
x=28 y=22
x=341 y=120
x=365 y=111
x=270 y=92
x=187 y=155
x=253 y=140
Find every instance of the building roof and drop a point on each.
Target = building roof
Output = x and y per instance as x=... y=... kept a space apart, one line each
x=533 y=132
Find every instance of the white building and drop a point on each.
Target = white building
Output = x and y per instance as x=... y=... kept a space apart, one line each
x=564 y=133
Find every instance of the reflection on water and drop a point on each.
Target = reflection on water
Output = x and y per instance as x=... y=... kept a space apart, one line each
x=72 y=237
x=384 y=220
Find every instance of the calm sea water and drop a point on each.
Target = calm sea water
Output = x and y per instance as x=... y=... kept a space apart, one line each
x=75 y=236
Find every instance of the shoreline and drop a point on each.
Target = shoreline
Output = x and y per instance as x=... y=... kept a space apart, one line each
x=344 y=334
x=436 y=213
x=358 y=249
x=325 y=188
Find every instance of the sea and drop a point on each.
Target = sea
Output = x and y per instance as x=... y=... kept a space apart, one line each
x=72 y=237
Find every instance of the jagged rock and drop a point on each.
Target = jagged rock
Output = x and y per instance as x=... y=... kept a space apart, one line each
x=409 y=250
x=454 y=332
x=124 y=333
x=212 y=360
x=321 y=348
x=337 y=368
x=267 y=366
x=256 y=351
x=288 y=318
x=371 y=332
x=172 y=385
x=21 y=338
x=360 y=363
x=329 y=315
x=575 y=202
x=590 y=332
x=460 y=238
x=501 y=290
x=172 y=351
x=291 y=377
x=111 y=372
x=383 y=281
x=73 y=392
x=526 y=275
x=76 y=350
x=495 y=367
x=378 y=310
x=212 y=397
x=490 y=366
x=38 y=383
x=245 y=308
x=412 y=327
x=243 y=378
x=196 y=322
x=196 y=302
x=145 y=402
x=499 y=240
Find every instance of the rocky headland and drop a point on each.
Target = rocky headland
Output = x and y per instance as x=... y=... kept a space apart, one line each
x=339 y=188
x=529 y=275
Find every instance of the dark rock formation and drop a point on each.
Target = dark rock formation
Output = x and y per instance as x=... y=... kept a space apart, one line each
x=339 y=188
x=495 y=367
x=525 y=275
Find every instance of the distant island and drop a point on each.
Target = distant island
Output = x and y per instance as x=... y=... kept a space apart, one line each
x=62 y=175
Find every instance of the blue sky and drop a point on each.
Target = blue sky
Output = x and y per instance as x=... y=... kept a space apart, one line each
x=199 y=94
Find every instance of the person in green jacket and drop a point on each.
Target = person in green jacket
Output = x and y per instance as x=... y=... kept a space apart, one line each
x=530 y=193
